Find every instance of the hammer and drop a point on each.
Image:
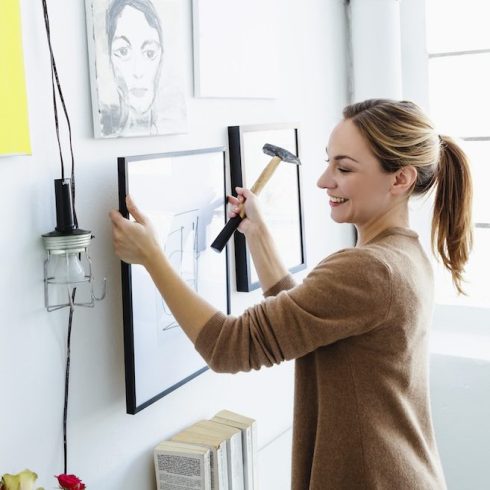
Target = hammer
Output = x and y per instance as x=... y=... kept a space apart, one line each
x=278 y=154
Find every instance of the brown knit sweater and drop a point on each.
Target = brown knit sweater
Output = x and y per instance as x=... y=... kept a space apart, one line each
x=358 y=329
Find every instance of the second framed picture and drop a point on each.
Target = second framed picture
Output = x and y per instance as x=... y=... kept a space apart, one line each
x=281 y=199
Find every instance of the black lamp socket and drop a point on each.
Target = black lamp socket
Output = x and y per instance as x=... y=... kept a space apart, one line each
x=64 y=206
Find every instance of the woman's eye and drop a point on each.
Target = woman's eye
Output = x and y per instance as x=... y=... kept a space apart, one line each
x=122 y=52
x=151 y=50
x=340 y=169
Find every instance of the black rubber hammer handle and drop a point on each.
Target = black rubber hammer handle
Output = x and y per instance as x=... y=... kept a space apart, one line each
x=225 y=234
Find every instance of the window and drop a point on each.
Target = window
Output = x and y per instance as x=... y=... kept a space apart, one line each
x=458 y=44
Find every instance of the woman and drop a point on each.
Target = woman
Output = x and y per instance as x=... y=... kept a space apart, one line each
x=135 y=38
x=358 y=324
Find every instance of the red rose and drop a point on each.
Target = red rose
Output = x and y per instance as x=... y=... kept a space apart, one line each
x=70 y=482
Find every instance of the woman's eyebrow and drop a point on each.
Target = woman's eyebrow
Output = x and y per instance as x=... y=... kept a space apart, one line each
x=150 y=43
x=341 y=157
x=123 y=38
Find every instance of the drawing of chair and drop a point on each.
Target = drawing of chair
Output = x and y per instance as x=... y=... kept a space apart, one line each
x=182 y=249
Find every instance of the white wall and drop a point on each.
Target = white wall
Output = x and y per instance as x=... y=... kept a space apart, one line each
x=107 y=448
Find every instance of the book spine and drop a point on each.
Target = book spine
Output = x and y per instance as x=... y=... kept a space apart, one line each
x=235 y=461
x=213 y=458
x=248 y=460
x=175 y=471
x=207 y=471
x=222 y=461
x=255 y=475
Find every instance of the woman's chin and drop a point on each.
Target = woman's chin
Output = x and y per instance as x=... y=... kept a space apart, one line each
x=338 y=219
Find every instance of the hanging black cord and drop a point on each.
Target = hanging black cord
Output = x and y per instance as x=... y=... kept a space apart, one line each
x=57 y=86
x=54 y=77
x=67 y=383
x=56 y=111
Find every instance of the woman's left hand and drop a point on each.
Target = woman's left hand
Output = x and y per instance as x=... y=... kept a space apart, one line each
x=135 y=242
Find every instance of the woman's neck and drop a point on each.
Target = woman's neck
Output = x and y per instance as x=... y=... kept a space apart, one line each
x=395 y=217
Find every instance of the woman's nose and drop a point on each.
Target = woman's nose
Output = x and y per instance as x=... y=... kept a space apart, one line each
x=138 y=67
x=326 y=181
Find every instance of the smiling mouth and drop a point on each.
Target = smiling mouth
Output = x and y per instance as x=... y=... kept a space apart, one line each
x=338 y=200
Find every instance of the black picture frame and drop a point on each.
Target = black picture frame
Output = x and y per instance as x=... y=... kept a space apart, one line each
x=162 y=185
x=246 y=161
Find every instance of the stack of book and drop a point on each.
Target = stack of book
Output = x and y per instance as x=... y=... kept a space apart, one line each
x=216 y=454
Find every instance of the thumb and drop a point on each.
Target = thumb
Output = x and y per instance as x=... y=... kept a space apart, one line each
x=243 y=191
x=134 y=211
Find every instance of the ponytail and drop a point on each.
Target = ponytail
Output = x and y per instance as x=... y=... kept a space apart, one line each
x=400 y=134
x=452 y=234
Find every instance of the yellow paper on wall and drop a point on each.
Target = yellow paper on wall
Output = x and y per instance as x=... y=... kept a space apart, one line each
x=14 y=123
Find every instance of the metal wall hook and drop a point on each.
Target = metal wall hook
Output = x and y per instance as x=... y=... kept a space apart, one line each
x=104 y=290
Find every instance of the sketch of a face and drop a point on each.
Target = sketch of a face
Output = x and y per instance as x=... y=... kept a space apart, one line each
x=136 y=56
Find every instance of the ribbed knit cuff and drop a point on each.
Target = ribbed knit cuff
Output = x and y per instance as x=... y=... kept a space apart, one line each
x=287 y=282
x=206 y=338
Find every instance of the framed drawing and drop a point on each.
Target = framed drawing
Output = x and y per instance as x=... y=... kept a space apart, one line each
x=281 y=198
x=184 y=196
x=235 y=48
x=135 y=57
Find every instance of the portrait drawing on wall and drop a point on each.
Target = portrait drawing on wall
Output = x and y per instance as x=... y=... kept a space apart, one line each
x=135 y=58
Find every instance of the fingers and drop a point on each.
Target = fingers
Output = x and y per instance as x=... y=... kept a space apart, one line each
x=119 y=229
x=233 y=200
x=238 y=203
x=116 y=217
x=234 y=212
x=116 y=232
x=235 y=205
x=134 y=211
x=243 y=193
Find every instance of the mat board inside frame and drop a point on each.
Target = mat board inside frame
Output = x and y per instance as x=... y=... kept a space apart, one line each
x=183 y=194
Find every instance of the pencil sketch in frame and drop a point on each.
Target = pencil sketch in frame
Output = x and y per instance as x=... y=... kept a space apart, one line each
x=236 y=48
x=281 y=199
x=183 y=194
x=135 y=58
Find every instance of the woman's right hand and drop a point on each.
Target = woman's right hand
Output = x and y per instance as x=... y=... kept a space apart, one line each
x=135 y=242
x=253 y=220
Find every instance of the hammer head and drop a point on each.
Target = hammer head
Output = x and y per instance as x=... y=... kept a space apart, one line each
x=277 y=151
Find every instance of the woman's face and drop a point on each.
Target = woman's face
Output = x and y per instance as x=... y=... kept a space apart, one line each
x=358 y=188
x=136 y=55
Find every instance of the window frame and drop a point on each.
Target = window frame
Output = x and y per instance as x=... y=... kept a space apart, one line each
x=483 y=137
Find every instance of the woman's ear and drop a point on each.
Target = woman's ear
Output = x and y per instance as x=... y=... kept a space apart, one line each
x=405 y=179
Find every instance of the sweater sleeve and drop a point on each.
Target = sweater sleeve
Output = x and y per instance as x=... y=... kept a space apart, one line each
x=287 y=282
x=347 y=294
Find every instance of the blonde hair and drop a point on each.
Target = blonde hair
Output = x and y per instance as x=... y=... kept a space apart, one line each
x=400 y=134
